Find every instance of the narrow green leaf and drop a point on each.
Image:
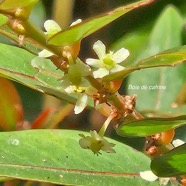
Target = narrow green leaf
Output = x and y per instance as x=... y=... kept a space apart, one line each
x=55 y=156
x=13 y=4
x=164 y=83
x=3 y=19
x=82 y=30
x=136 y=42
x=149 y=126
x=165 y=34
x=167 y=31
x=168 y=58
x=40 y=74
x=171 y=163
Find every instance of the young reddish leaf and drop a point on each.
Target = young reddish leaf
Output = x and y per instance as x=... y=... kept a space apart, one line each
x=78 y=32
x=40 y=121
x=11 y=112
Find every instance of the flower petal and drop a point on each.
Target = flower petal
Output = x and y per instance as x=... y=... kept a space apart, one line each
x=93 y=62
x=85 y=69
x=100 y=49
x=95 y=135
x=76 y=22
x=81 y=103
x=164 y=181
x=69 y=89
x=117 y=68
x=84 y=83
x=45 y=53
x=148 y=175
x=120 y=55
x=101 y=72
x=108 y=149
x=85 y=142
x=177 y=142
x=51 y=27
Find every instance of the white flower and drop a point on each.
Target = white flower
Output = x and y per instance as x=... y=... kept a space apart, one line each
x=95 y=143
x=150 y=176
x=107 y=62
x=52 y=28
x=74 y=82
x=177 y=142
x=45 y=53
x=76 y=22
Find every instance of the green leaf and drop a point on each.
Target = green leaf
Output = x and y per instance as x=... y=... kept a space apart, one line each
x=14 y=4
x=171 y=163
x=3 y=19
x=167 y=31
x=7 y=32
x=166 y=34
x=136 y=42
x=82 y=30
x=168 y=58
x=149 y=126
x=40 y=74
x=154 y=99
x=55 y=156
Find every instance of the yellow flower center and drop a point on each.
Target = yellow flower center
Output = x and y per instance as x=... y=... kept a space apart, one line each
x=96 y=146
x=108 y=62
x=78 y=89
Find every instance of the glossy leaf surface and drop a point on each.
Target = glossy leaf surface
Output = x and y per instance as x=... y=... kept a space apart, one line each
x=149 y=126
x=162 y=84
x=13 y=4
x=171 y=163
x=168 y=58
x=55 y=156
x=82 y=30
x=3 y=19
x=40 y=74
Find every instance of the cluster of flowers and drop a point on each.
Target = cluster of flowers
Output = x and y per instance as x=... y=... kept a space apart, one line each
x=74 y=81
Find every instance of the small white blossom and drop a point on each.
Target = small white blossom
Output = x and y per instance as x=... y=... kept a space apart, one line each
x=177 y=142
x=150 y=176
x=107 y=62
x=76 y=22
x=95 y=143
x=74 y=82
x=52 y=28
x=45 y=53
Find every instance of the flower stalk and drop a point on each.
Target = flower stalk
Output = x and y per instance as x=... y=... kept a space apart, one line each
x=106 y=124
